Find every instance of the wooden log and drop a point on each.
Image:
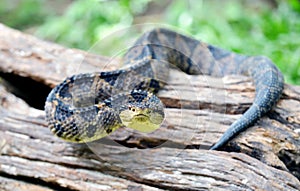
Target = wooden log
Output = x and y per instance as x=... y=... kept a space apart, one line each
x=199 y=109
x=16 y=185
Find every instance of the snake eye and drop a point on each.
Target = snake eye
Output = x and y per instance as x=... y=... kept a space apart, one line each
x=131 y=108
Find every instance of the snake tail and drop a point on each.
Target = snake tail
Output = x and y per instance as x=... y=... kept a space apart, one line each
x=196 y=57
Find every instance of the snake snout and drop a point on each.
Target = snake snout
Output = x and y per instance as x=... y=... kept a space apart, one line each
x=145 y=114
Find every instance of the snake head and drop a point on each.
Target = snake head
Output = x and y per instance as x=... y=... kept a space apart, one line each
x=143 y=112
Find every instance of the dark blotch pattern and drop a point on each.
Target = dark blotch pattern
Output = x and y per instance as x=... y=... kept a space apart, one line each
x=100 y=96
x=139 y=96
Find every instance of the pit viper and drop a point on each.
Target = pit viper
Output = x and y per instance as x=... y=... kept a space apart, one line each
x=87 y=107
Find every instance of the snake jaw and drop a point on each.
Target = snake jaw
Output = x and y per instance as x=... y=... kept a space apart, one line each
x=143 y=111
x=140 y=119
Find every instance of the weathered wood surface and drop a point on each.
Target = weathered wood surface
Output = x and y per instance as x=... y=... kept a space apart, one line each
x=200 y=108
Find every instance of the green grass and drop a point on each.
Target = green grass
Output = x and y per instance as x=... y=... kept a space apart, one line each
x=22 y=14
x=249 y=28
x=273 y=33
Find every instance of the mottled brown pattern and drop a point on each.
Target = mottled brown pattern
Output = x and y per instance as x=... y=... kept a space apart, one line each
x=149 y=61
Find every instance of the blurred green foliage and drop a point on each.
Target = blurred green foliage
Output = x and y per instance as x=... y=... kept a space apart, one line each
x=85 y=22
x=22 y=14
x=245 y=29
x=248 y=27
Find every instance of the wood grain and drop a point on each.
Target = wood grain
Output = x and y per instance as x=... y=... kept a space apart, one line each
x=175 y=157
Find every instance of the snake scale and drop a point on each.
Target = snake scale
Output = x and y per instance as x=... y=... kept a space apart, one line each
x=87 y=107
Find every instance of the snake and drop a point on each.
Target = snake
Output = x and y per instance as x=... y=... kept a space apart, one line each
x=89 y=106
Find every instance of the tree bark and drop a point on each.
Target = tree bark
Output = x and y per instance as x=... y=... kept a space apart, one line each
x=199 y=109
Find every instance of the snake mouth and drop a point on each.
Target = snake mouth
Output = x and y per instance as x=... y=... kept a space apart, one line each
x=141 y=115
x=141 y=118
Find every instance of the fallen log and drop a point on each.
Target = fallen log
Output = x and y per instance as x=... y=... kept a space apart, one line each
x=174 y=157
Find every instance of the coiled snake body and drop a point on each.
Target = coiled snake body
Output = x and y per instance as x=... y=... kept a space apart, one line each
x=86 y=107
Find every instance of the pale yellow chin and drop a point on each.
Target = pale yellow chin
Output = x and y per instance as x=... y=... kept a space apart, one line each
x=141 y=122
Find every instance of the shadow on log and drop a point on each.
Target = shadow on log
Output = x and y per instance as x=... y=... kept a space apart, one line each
x=174 y=157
